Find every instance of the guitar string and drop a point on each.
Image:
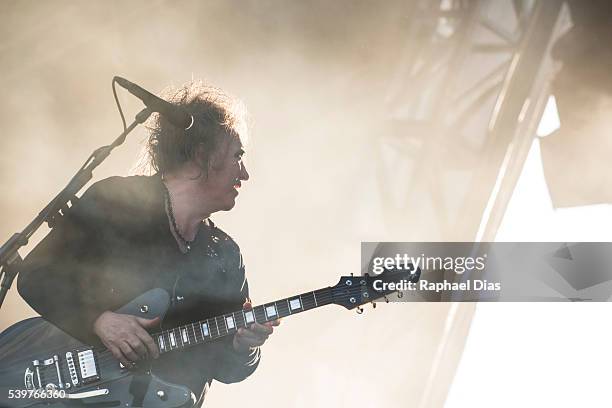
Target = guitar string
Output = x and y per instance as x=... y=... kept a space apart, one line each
x=108 y=357
x=328 y=295
x=105 y=356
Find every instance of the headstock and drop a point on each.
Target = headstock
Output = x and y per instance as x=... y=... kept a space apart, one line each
x=354 y=291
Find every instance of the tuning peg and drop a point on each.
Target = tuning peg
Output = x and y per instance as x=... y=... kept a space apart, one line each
x=359 y=310
x=386 y=299
x=400 y=295
x=373 y=305
x=352 y=274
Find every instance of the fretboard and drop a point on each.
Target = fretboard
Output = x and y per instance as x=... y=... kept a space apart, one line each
x=207 y=330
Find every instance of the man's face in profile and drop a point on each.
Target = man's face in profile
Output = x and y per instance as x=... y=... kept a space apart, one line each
x=225 y=174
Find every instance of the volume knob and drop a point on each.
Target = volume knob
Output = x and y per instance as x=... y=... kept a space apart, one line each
x=162 y=395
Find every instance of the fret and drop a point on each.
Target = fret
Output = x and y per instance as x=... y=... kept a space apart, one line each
x=197 y=331
x=240 y=319
x=195 y=336
x=217 y=327
x=213 y=329
x=178 y=336
x=324 y=296
x=192 y=335
x=314 y=295
x=167 y=338
x=288 y=305
x=221 y=325
x=283 y=308
x=308 y=300
x=260 y=314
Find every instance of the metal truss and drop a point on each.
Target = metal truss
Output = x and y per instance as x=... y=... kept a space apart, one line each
x=467 y=96
x=469 y=87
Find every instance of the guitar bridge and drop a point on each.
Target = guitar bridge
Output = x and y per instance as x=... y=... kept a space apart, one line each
x=47 y=373
x=80 y=367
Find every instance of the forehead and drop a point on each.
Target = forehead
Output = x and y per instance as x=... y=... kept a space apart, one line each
x=230 y=145
x=235 y=143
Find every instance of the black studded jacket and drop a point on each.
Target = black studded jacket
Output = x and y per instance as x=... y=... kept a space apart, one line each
x=114 y=244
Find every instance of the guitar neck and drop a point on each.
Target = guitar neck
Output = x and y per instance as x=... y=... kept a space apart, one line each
x=207 y=330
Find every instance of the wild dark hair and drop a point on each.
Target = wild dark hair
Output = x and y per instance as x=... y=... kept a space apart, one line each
x=217 y=117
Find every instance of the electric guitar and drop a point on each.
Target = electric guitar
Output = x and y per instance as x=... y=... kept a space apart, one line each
x=42 y=365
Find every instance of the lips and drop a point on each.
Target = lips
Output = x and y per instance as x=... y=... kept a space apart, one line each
x=235 y=187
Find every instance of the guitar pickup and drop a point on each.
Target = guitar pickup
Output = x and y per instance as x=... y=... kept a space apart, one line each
x=88 y=366
x=72 y=369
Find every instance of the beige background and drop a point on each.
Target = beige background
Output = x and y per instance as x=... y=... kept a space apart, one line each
x=313 y=75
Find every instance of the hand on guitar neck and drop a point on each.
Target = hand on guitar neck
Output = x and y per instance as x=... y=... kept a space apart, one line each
x=126 y=336
x=255 y=335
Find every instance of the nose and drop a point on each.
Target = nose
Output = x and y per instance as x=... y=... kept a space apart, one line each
x=244 y=174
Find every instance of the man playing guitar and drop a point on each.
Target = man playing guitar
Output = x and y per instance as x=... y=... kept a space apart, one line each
x=127 y=235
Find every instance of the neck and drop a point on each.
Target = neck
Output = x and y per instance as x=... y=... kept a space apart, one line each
x=189 y=205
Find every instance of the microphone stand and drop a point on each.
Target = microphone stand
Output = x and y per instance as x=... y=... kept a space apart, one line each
x=10 y=259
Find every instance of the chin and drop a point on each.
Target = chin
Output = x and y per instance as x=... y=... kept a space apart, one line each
x=229 y=205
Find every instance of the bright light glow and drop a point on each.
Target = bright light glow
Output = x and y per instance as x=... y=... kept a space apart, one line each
x=535 y=355
x=550 y=118
x=530 y=215
x=548 y=124
x=524 y=354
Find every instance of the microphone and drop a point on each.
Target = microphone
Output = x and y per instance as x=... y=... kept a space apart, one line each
x=174 y=114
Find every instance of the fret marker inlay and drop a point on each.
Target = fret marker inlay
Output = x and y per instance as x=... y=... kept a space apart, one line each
x=250 y=318
x=270 y=311
x=227 y=324
x=295 y=304
x=185 y=336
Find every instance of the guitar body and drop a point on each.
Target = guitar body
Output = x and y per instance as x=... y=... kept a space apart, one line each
x=111 y=385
